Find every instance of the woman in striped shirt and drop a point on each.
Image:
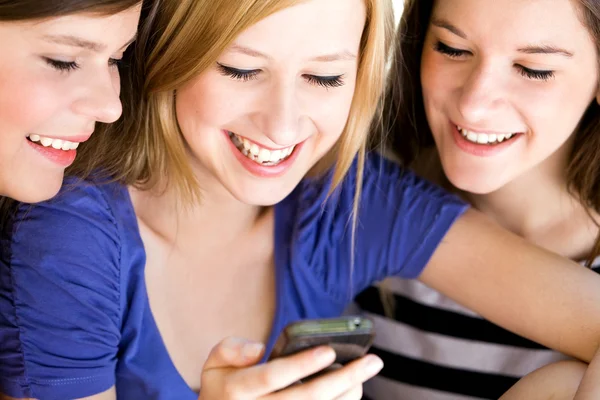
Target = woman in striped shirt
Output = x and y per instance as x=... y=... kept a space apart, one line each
x=505 y=113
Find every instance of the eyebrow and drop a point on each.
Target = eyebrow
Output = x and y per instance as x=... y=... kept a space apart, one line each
x=442 y=23
x=530 y=49
x=344 y=55
x=545 y=49
x=69 y=40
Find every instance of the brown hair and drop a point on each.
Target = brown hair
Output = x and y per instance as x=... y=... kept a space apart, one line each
x=19 y=10
x=146 y=149
x=407 y=131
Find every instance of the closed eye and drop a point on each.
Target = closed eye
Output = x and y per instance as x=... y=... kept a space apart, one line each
x=535 y=74
x=325 y=81
x=449 y=51
x=62 y=66
x=243 y=75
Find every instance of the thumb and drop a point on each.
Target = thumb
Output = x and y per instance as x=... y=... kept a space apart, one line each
x=234 y=352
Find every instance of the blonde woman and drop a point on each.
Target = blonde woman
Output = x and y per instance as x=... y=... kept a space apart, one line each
x=231 y=214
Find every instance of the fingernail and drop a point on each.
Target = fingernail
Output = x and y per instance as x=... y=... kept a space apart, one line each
x=252 y=350
x=374 y=365
x=324 y=354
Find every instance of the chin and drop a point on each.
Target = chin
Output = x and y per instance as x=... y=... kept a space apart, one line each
x=262 y=195
x=477 y=184
x=261 y=200
x=32 y=189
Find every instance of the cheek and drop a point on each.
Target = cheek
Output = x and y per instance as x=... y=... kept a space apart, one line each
x=433 y=82
x=554 y=113
x=29 y=102
x=206 y=103
x=329 y=110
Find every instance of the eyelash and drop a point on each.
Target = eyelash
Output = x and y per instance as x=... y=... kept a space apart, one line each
x=534 y=74
x=69 y=66
x=247 y=75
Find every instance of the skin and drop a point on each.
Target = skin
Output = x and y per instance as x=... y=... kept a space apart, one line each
x=488 y=84
x=552 y=301
x=476 y=78
x=54 y=87
x=280 y=104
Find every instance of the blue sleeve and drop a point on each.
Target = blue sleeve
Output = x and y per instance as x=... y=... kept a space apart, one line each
x=59 y=298
x=400 y=222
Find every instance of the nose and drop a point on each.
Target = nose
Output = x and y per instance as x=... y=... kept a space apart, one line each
x=279 y=118
x=100 y=100
x=482 y=93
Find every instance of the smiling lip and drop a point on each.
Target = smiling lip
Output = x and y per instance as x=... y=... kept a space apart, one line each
x=63 y=158
x=60 y=157
x=480 y=150
x=264 y=171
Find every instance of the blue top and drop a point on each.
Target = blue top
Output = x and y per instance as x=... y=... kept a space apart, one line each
x=74 y=312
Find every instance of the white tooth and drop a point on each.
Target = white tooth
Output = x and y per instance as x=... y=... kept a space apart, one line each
x=74 y=146
x=509 y=135
x=275 y=156
x=472 y=136
x=57 y=144
x=66 y=145
x=254 y=149
x=500 y=138
x=46 y=141
x=491 y=137
x=245 y=152
x=247 y=143
x=482 y=138
x=34 y=138
x=264 y=155
x=289 y=151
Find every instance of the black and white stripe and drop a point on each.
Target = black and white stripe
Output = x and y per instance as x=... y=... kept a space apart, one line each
x=436 y=349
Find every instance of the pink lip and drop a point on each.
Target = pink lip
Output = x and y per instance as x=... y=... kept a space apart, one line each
x=261 y=171
x=60 y=157
x=480 y=150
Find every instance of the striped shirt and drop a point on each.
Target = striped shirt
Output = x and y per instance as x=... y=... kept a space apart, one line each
x=435 y=349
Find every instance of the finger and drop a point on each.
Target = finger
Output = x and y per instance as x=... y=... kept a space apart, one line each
x=262 y=380
x=234 y=352
x=335 y=383
x=352 y=394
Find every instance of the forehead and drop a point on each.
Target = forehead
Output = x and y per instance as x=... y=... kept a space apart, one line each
x=106 y=29
x=308 y=29
x=517 y=21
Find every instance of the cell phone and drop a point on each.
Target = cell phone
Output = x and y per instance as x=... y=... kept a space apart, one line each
x=350 y=337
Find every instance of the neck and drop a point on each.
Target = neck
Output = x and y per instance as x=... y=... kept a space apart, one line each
x=217 y=217
x=539 y=207
x=527 y=204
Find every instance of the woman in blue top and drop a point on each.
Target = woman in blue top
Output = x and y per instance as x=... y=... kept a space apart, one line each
x=213 y=228
x=58 y=77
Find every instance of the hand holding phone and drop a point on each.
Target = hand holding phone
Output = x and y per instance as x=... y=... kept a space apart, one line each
x=232 y=372
x=350 y=337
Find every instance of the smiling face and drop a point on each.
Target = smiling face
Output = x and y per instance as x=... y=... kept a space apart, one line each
x=57 y=78
x=275 y=101
x=505 y=84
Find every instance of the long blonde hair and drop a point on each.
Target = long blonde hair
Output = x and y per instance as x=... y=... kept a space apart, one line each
x=146 y=148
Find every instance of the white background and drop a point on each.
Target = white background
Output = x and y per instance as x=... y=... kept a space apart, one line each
x=398 y=8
